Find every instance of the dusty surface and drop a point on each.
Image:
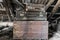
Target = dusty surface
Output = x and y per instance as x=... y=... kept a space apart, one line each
x=30 y=30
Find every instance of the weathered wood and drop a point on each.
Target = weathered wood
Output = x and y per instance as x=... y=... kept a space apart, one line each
x=56 y=6
x=30 y=30
x=5 y=9
x=34 y=7
x=49 y=4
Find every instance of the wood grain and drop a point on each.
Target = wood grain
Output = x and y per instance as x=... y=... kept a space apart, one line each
x=30 y=30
